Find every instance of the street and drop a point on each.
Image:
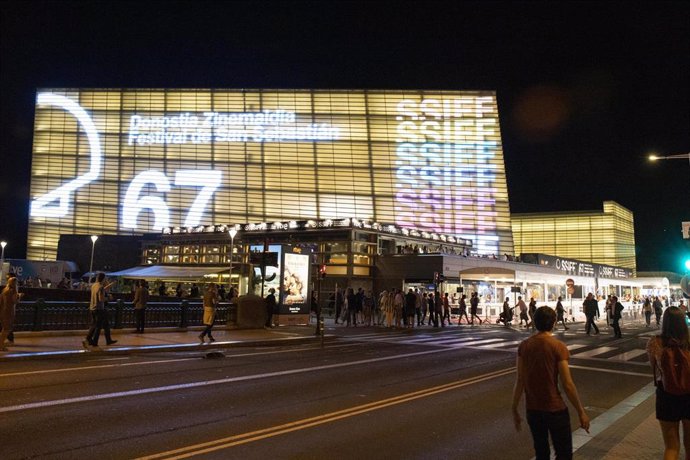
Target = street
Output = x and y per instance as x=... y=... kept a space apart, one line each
x=372 y=393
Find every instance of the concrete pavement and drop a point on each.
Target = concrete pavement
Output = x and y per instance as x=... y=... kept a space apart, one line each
x=629 y=430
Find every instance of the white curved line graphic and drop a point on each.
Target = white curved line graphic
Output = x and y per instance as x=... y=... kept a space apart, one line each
x=39 y=207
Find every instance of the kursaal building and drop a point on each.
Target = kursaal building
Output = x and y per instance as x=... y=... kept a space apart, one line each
x=132 y=161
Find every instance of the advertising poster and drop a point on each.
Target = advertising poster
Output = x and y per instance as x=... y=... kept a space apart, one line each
x=272 y=272
x=294 y=296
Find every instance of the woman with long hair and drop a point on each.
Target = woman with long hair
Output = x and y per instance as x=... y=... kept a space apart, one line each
x=671 y=409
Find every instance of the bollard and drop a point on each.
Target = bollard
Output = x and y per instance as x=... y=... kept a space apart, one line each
x=39 y=305
x=119 y=306
x=184 y=306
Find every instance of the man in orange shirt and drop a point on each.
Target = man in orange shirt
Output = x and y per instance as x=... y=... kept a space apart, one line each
x=541 y=361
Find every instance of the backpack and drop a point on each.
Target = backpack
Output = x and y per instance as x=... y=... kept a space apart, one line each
x=675 y=369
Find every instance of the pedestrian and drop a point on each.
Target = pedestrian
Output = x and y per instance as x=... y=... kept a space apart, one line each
x=162 y=290
x=418 y=306
x=433 y=318
x=560 y=313
x=658 y=309
x=617 y=315
x=647 y=308
x=608 y=308
x=425 y=308
x=359 y=305
x=15 y=283
x=506 y=316
x=474 y=304
x=338 y=304
x=210 y=304
x=368 y=307
x=351 y=306
x=522 y=306
x=99 y=315
x=463 y=310
x=8 y=305
x=438 y=303
x=141 y=297
x=446 y=310
x=270 y=307
x=671 y=409
x=398 y=305
x=531 y=310
x=388 y=307
x=410 y=307
x=541 y=362
x=591 y=309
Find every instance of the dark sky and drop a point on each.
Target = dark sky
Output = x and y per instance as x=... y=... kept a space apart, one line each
x=585 y=90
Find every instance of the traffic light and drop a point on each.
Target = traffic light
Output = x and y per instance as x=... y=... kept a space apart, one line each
x=322 y=271
x=441 y=278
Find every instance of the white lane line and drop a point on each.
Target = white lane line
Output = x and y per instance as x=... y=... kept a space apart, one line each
x=478 y=342
x=163 y=361
x=182 y=386
x=610 y=371
x=500 y=345
x=599 y=424
x=594 y=352
x=576 y=346
x=628 y=355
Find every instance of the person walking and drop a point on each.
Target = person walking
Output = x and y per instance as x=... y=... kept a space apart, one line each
x=270 y=307
x=522 y=306
x=99 y=315
x=19 y=295
x=433 y=318
x=541 y=362
x=506 y=316
x=463 y=310
x=560 y=313
x=351 y=306
x=8 y=305
x=647 y=308
x=410 y=307
x=338 y=304
x=418 y=306
x=474 y=304
x=617 y=315
x=398 y=305
x=425 y=308
x=210 y=304
x=446 y=310
x=591 y=309
x=141 y=297
x=531 y=310
x=658 y=309
x=671 y=409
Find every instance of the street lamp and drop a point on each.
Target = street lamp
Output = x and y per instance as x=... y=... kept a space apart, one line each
x=680 y=156
x=2 y=261
x=93 y=247
x=232 y=232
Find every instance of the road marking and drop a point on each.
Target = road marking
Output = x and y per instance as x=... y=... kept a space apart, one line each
x=610 y=371
x=576 y=346
x=599 y=424
x=183 y=386
x=244 y=438
x=143 y=363
x=594 y=352
x=628 y=355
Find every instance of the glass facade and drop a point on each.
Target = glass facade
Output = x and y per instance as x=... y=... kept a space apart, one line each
x=131 y=161
x=606 y=237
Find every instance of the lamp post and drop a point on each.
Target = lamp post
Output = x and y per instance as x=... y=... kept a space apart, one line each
x=2 y=261
x=93 y=247
x=232 y=232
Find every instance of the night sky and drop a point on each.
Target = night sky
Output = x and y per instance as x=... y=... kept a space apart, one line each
x=585 y=90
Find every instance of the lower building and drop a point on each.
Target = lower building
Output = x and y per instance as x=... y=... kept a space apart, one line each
x=603 y=237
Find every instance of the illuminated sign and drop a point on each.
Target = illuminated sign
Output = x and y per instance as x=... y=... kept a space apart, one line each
x=579 y=268
x=427 y=164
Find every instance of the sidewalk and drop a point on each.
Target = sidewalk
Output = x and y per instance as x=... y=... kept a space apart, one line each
x=61 y=344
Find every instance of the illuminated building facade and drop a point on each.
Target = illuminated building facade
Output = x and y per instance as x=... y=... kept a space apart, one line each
x=606 y=237
x=132 y=161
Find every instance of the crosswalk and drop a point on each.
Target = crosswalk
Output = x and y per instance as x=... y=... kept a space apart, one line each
x=492 y=339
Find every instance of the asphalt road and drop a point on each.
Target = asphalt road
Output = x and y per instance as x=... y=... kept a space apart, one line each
x=373 y=393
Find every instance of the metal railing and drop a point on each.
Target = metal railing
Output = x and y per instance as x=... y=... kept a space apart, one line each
x=43 y=315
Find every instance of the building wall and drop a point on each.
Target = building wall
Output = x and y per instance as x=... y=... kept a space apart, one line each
x=606 y=237
x=132 y=161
